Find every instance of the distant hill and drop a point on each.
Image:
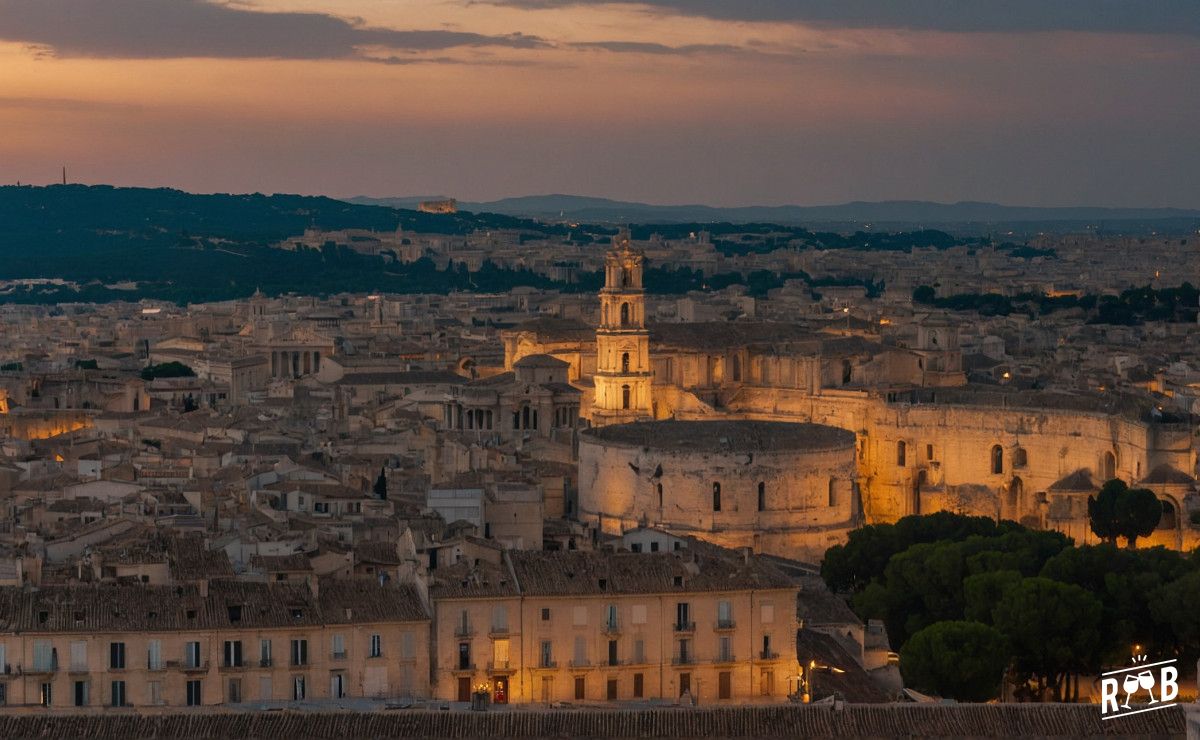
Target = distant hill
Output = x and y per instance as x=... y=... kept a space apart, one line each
x=895 y=212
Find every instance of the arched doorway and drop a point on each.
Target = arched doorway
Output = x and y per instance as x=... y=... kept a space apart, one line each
x=1014 y=500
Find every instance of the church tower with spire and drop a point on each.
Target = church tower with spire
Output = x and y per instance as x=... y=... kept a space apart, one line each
x=623 y=375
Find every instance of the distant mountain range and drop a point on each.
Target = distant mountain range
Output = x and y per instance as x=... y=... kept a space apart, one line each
x=604 y=210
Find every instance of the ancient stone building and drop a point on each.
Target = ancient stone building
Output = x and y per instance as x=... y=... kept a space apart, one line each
x=924 y=440
x=775 y=486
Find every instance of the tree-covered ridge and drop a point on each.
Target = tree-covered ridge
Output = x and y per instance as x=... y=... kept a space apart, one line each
x=1010 y=601
x=1133 y=306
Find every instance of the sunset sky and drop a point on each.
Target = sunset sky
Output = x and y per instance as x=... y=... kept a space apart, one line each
x=727 y=102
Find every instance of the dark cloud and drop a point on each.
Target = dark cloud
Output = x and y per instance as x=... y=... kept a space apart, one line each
x=639 y=47
x=159 y=29
x=1116 y=16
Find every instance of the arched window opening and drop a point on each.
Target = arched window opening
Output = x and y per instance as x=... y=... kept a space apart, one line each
x=847 y=372
x=716 y=496
x=832 y=493
x=624 y=314
x=762 y=496
x=660 y=498
x=1109 y=469
x=1168 y=520
x=1020 y=458
x=625 y=362
x=997 y=460
x=625 y=397
x=901 y=453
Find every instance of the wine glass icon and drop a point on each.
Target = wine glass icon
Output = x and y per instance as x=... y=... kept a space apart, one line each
x=1146 y=681
x=1130 y=684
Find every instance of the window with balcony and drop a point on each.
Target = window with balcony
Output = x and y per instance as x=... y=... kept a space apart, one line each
x=724 y=615
x=547 y=654
x=464 y=656
x=683 y=617
x=233 y=653
x=191 y=655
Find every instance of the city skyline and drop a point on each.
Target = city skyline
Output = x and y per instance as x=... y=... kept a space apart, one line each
x=661 y=102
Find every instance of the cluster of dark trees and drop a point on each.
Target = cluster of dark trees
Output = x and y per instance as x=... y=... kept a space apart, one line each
x=167 y=370
x=1133 y=306
x=974 y=602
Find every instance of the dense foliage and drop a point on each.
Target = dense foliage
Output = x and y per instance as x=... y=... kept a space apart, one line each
x=1061 y=610
x=1133 y=306
x=167 y=370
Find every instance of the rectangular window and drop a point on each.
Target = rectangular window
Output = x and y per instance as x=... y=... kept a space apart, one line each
x=499 y=619
x=191 y=655
x=234 y=695
x=339 y=647
x=545 y=615
x=612 y=652
x=766 y=683
x=116 y=656
x=299 y=652
x=610 y=691
x=46 y=697
x=547 y=689
x=81 y=693
x=768 y=613
x=298 y=688
x=547 y=654
x=724 y=614
x=408 y=649
x=44 y=656
x=639 y=686
x=264 y=653
x=154 y=655
x=265 y=690
x=78 y=657
x=580 y=688
x=3 y=694
x=154 y=692
x=118 y=693
x=725 y=649
x=464 y=656
x=376 y=646
x=639 y=651
x=580 y=657
x=500 y=654
x=682 y=616
x=193 y=694
x=233 y=653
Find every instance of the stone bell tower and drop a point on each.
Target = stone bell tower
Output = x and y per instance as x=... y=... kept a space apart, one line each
x=623 y=375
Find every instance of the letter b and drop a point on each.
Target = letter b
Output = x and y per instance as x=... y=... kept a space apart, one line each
x=1168 y=682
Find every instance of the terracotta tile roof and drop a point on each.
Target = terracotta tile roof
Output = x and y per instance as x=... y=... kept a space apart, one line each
x=594 y=572
x=852 y=721
x=137 y=608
